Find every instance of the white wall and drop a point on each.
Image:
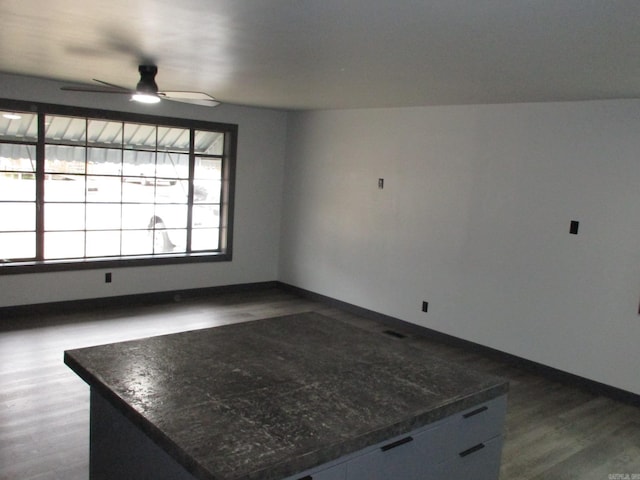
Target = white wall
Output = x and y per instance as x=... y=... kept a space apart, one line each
x=474 y=218
x=261 y=153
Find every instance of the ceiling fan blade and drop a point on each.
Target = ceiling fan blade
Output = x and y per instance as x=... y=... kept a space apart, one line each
x=113 y=85
x=196 y=98
x=204 y=103
x=186 y=95
x=71 y=88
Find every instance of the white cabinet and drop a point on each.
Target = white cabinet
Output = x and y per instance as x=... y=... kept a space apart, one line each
x=336 y=472
x=473 y=426
x=480 y=462
x=407 y=457
x=465 y=445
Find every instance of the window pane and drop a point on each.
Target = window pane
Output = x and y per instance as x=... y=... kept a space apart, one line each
x=63 y=159
x=208 y=169
x=137 y=217
x=135 y=192
x=18 y=126
x=104 y=161
x=17 y=158
x=15 y=246
x=209 y=143
x=63 y=245
x=206 y=216
x=65 y=130
x=168 y=241
x=17 y=216
x=173 y=139
x=18 y=186
x=104 y=133
x=171 y=216
x=103 y=216
x=139 y=137
x=172 y=165
x=137 y=242
x=104 y=189
x=206 y=191
x=103 y=244
x=204 y=239
x=64 y=188
x=171 y=193
x=140 y=164
x=64 y=216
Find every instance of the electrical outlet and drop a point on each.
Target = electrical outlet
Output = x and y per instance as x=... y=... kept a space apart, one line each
x=107 y=277
x=381 y=183
x=573 y=228
x=425 y=306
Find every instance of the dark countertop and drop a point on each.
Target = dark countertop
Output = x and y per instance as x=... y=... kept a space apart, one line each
x=270 y=398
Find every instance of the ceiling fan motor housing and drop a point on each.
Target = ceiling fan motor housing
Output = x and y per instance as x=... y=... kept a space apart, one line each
x=147 y=83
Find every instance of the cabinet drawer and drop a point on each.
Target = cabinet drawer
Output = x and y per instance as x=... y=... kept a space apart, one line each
x=409 y=457
x=475 y=425
x=479 y=462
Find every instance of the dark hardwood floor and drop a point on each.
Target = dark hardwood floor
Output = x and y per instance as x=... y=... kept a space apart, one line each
x=553 y=431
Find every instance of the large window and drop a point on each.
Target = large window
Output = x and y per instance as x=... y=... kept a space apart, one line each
x=88 y=188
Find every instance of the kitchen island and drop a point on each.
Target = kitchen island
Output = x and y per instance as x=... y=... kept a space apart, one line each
x=295 y=397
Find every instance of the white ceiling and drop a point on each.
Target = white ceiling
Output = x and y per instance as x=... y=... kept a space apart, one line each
x=336 y=53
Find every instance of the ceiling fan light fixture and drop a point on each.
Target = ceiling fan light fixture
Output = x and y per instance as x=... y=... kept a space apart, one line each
x=145 y=98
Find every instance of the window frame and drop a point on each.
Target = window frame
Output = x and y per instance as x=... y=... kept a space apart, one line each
x=224 y=252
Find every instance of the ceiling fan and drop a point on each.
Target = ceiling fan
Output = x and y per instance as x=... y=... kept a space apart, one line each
x=147 y=90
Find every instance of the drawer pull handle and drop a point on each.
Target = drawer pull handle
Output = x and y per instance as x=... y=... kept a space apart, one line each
x=471 y=450
x=308 y=477
x=396 y=444
x=475 y=412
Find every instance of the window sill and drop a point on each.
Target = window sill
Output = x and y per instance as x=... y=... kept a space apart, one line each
x=8 y=268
